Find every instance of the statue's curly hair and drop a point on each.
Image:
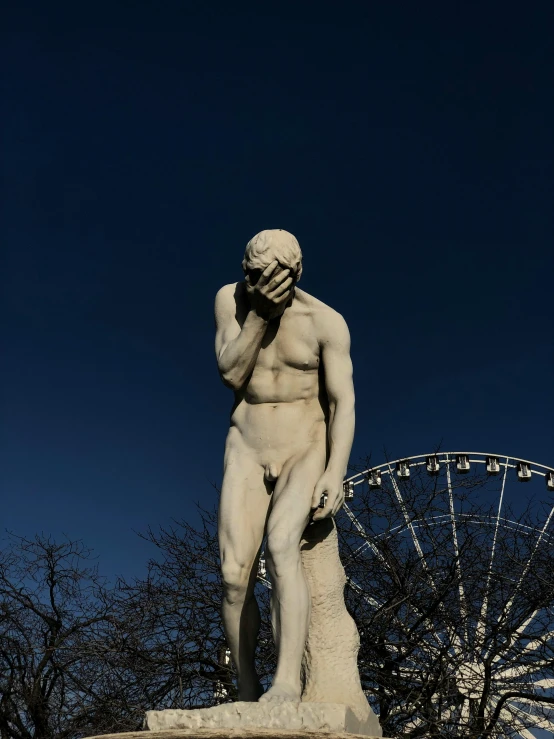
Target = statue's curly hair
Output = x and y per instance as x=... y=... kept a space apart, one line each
x=275 y=243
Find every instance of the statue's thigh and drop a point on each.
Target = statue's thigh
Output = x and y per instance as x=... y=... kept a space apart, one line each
x=245 y=498
x=293 y=492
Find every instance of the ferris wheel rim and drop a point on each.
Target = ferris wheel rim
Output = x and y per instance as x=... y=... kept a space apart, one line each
x=481 y=520
x=448 y=458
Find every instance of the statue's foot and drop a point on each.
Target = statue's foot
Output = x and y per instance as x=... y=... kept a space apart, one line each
x=281 y=692
x=250 y=693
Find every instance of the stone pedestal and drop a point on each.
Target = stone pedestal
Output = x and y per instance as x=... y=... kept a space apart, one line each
x=277 y=717
x=231 y=734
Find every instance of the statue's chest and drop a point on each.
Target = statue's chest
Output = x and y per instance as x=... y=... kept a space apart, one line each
x=293 y=344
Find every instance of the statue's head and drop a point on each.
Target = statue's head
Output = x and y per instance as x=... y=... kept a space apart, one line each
x=270 y=245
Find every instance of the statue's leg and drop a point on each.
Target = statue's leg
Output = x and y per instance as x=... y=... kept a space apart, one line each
x=287 y=520
x=245 y=498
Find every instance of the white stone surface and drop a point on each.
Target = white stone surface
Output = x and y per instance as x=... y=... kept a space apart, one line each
x=330 y=664
x=241 y=733
x=288 y=715
x=286 y=356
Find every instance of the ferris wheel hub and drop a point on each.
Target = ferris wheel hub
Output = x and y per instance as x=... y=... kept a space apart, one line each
x=470 y=679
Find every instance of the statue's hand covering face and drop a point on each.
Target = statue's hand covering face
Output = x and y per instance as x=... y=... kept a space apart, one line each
x=268 y=246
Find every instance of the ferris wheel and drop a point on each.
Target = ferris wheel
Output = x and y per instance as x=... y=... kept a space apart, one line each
x=492 y=630
x=480 y=549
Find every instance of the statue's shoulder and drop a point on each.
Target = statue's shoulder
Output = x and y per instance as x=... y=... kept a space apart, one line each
x=319 y=310
x=230 y=295
x=230 y=302
x=227 y=290
x=329 y=325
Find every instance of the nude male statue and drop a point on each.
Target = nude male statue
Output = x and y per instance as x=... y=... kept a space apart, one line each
x=286 y=355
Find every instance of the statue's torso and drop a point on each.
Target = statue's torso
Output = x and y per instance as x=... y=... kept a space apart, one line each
x=283 y=405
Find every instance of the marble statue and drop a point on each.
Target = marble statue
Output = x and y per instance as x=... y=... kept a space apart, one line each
x=286 y=356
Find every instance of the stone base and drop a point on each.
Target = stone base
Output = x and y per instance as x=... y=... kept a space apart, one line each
x=275 y=717
x=232 y=734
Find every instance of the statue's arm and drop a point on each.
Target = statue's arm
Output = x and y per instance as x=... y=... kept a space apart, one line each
x=339 y=385
x=236 y=348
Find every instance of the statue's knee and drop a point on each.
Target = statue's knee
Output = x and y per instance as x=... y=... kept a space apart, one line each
x=235 y=581
x=283 y=550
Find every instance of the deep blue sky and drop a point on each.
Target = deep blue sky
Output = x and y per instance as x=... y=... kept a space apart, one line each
x=407 y=145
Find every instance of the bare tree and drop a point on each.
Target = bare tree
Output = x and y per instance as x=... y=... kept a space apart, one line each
x=55 y=610
x=454 y=642
x=80 y=657
x=172 y=638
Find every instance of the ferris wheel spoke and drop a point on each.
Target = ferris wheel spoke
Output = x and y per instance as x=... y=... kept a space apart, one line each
x=480 y=630
x=508 y=607
x=357 y=589
x=446 y=714
x=516 y=634
x=457 y=644
x=362 y=531
x=532 y=702
x=375 y=550
x=546 y=683
x=360 y=549
x=508 y=716
x=464 y=713
x=411 y=529
x=539 y=722
x=523 y=732
x=412 y=724
x=463 y=604
x=540 y=642
x=459 y=714
x=522 y=670
x=433 y=642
